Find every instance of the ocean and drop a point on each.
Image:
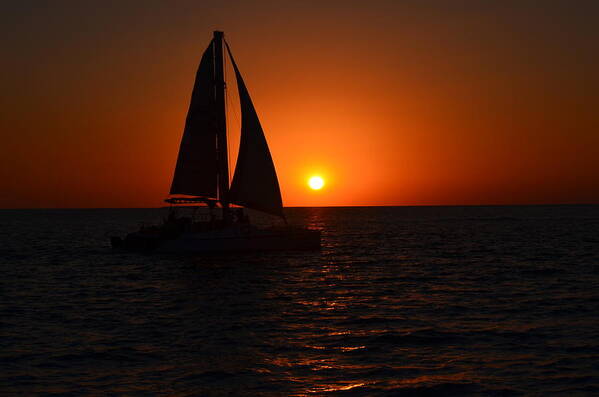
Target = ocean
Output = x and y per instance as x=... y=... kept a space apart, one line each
x=400 y=301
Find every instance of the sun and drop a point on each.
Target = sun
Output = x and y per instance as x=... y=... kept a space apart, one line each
x=316 y=183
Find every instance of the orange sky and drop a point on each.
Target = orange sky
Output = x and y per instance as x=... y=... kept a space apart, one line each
x=393 y=103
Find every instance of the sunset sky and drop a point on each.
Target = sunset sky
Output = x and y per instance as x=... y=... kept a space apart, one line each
x=391 y=102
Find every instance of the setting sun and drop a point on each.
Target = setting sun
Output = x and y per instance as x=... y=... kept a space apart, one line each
x=316 y=183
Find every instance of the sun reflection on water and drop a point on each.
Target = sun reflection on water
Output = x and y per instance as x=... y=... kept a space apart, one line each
x=315 y=219
x=331 y=388
x=339 y=340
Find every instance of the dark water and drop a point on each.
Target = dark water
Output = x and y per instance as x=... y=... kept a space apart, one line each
x=400 y=301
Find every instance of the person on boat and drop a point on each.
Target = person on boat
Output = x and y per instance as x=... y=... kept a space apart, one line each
x=172 y=216
x=241 y=217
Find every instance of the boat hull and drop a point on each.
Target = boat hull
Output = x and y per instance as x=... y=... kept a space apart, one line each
x=228 y=240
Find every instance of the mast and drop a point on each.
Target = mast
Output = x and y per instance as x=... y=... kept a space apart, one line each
x=221 y=134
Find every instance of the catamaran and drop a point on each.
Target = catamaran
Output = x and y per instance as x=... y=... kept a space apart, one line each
x=201 y=177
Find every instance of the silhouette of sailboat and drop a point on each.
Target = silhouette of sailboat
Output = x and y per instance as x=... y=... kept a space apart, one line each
x=201 y=177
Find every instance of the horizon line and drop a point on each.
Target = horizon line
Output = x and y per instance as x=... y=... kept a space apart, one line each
x=323 y=206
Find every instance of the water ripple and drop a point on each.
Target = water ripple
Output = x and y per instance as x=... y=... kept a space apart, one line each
x=400 y=301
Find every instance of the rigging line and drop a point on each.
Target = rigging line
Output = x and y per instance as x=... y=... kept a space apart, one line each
x=227 y=123
x=214 y=86
x=235 y=115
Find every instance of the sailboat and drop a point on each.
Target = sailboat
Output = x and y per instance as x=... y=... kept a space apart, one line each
x=201 y=177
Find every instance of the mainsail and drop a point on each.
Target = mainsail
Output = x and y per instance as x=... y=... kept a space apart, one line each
x=197 y=163
x=255 y=184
